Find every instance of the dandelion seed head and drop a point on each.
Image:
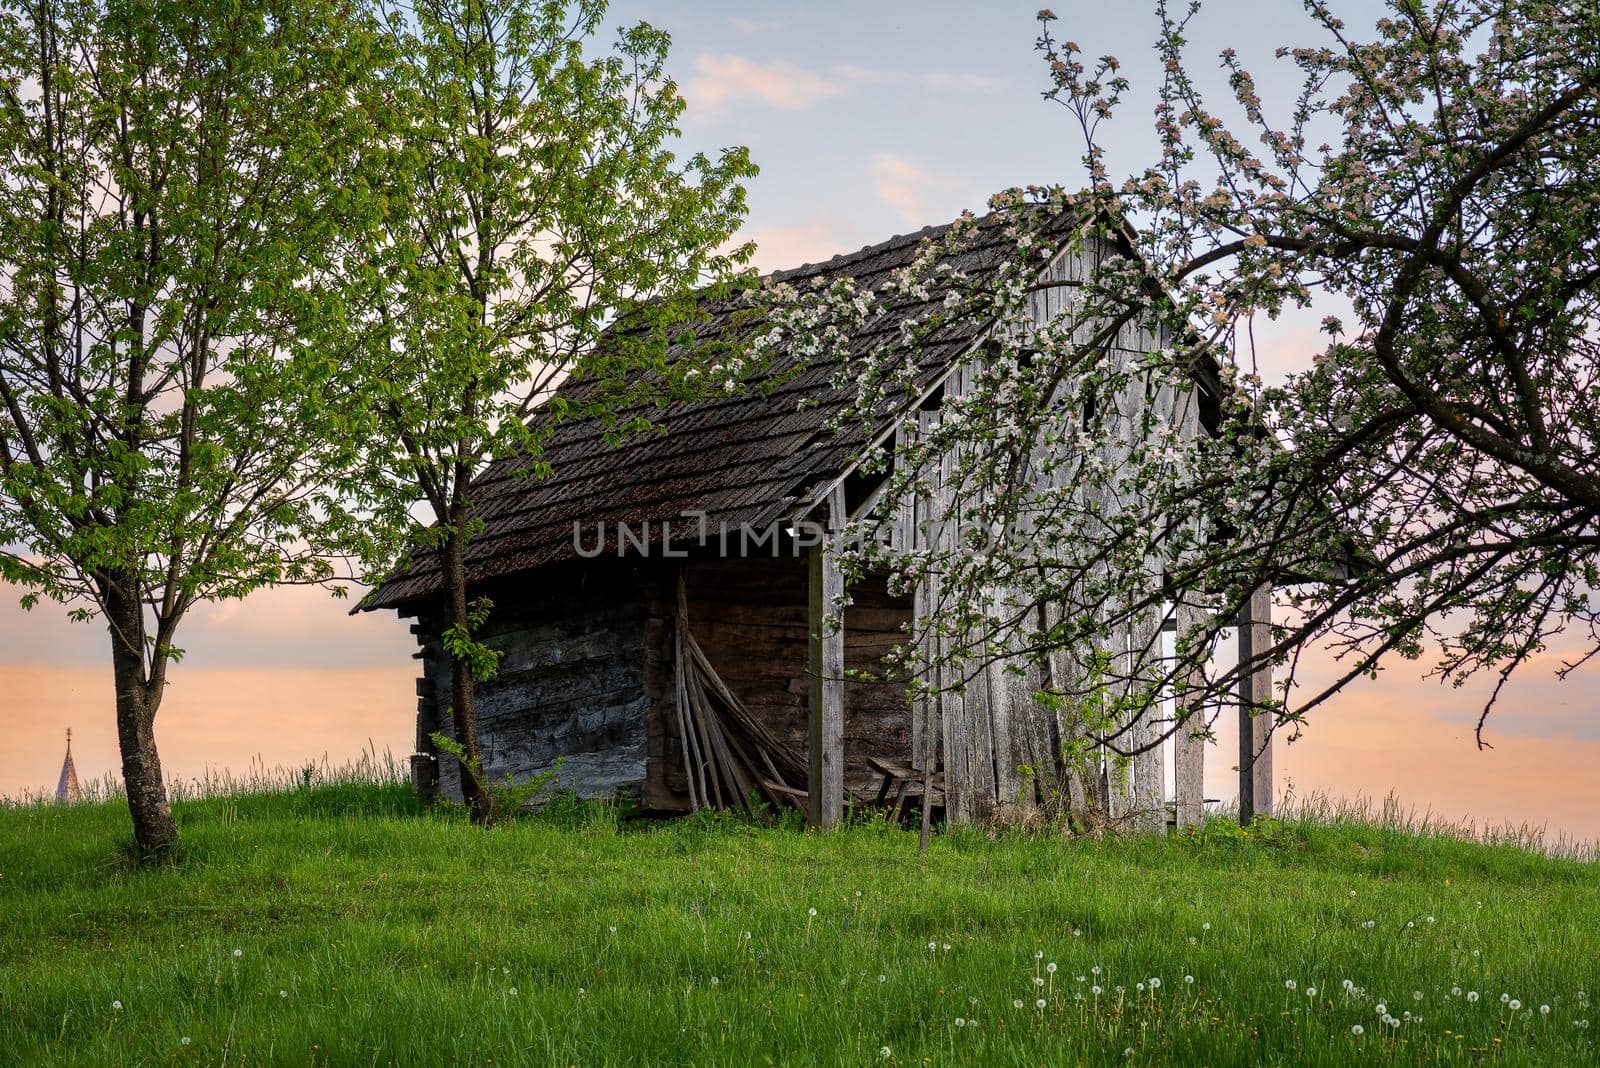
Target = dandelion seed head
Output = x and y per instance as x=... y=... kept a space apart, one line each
x=1515 y=1004
x=811 y=912
x=883 y=978
x=1289 y=984
x=184 y=1041
x=1544 y=1010
x=237 y=953
x=1472 y=995
x=1051 y=967
x=1095 y=990
x=1357 y=1029
x=116 y=1006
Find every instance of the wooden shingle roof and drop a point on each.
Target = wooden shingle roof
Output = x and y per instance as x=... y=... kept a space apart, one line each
x=745 y=458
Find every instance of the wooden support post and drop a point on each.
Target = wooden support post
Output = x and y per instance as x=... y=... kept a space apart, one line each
x=825 y=734
x=1149 y=766
x=1247 y=753
x=1255 y=689
x=1188 y=744
x=1261 y=693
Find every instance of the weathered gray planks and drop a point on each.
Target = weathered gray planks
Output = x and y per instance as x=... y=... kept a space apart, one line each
x=825 y=734
x=1261 y=693
x=1188 y=740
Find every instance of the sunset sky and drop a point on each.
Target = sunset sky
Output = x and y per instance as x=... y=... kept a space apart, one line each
x=868 y=120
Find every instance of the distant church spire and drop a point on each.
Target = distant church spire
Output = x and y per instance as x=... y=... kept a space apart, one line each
x=67 y=790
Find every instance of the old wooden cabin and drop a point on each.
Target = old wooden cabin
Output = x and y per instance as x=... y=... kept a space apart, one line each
x=662 y=626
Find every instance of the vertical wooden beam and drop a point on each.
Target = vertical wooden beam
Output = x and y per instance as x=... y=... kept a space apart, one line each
x=1261 y=693
x=1255 y=690
x=825 y=726
x=1188 y=745
x=1119 y=769
x=1149 y=766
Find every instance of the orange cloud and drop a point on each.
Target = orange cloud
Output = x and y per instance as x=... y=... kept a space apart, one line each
x=902 y=185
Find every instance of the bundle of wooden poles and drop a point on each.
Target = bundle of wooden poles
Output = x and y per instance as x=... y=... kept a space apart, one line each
x=730 y=757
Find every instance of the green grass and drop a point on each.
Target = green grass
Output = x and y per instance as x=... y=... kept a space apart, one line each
x=342 y=924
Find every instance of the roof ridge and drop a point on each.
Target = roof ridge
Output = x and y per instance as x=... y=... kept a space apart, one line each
x=867 y=251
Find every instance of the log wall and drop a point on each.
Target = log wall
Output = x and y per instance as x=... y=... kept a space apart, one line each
x=587 y=674
x=580 y=678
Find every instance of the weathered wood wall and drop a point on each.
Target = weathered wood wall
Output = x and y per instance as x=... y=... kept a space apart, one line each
x=750 y=616
x=587 y=674
x=981 y=736
x=580 y=678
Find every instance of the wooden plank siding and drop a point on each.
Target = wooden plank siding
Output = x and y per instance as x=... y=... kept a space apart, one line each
x=752 y=619
x=989 y=728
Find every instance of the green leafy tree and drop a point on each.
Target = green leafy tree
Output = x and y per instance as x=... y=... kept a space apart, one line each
x=536 y=197
x=179 y=189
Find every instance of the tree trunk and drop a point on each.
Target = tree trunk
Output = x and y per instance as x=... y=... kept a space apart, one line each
x=463 y=687
x=153 y=826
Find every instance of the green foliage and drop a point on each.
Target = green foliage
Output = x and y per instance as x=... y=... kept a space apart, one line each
x=480 y=660
x=537 y=199
x=508 y=795
x=575 y=938
x=182 y=185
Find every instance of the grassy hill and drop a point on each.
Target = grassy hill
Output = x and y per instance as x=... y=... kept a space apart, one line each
x=345 y=925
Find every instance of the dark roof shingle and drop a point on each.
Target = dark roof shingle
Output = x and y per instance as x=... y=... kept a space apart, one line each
x=745 y=458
